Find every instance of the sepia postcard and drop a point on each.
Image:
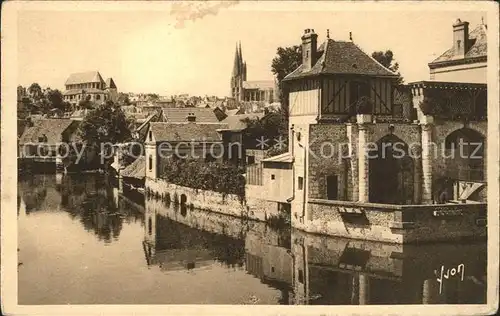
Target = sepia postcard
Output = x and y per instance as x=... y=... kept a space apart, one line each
x=249 y=157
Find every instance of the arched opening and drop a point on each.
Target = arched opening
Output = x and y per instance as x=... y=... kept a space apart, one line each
x=150 y=226
x=183 y=205
x=391 y=172
x=465 y=155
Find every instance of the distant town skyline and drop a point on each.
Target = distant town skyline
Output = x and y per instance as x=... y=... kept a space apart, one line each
x=150 y=52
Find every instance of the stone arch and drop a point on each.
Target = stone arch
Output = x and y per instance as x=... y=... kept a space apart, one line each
x=465 y=154
x=391 y=171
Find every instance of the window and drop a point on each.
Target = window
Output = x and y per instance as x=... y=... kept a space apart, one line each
x=150 y=136
x=332 y=187
x=98 y=97
x=150 y=163
x=458 y=44
x=301 y=183
x=272 y=177
x=301 y=276
x=250 y=160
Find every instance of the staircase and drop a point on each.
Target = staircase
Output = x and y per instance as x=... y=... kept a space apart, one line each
x=464 y=189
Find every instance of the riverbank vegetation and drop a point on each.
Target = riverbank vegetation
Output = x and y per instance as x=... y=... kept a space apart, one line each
x=219 y=177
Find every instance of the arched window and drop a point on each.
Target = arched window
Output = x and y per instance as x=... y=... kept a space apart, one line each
x=97 y=96
x=150 y=162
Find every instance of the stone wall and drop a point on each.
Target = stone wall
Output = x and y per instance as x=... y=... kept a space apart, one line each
x=328 y=145
x=396 y=223
x=228 y=204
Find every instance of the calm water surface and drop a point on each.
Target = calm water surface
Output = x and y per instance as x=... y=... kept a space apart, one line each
x=80 y=242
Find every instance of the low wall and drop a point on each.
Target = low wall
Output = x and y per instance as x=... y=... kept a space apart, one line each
x=228 y=204
x=396 y=223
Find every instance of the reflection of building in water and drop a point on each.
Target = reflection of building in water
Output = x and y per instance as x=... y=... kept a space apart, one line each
x=338 y=271
x=173 y=242
x=269 y=262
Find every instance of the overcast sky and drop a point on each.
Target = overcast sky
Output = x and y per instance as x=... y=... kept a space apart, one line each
x=151 y=51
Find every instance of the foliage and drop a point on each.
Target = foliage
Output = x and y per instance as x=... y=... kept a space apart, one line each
x=364 y=105
x=272 y=126
x=35 y=91
x=123 y=99
x=55 y=98
x=106 y=123
x=153 y=96
x=287 y=60
x=220 y=177
x=387 y=60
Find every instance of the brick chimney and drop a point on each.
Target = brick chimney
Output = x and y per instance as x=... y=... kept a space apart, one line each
x=461 y=37
x=309 y=49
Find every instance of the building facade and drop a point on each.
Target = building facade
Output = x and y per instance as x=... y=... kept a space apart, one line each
x=89 y=86
x=243 y=90
x=466 y=60
x=345 y=128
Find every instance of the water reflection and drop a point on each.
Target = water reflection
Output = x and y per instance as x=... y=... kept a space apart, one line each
x=89 y=199
x=158 y=244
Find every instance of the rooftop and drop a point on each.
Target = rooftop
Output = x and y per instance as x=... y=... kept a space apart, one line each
x=187 y=132
x=179 y=115
x=286 y=157
x=341 y=57
x=84 y=77
x=51 y=128
x=264 y=84
x=477 y=48
x=235 y=122
x=136 y=169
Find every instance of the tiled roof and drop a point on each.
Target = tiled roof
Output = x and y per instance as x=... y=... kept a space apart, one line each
x=85 y=77
x=80 y=91
x=269 y=84
x=235 y=122
x=179 y=115
x=51 y=128
x=110 y=83
x=340 y=57
x=186 y=132
x=136 y=169
x=477 y=43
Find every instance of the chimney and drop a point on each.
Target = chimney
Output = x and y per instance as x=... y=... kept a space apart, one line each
x=309 y=49
x=191 y=117
x=461 y=37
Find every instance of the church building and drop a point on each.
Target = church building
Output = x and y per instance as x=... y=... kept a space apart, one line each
x=243 y=90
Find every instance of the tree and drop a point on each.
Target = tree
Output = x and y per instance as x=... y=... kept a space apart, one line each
x=387 y=60
x=35 y=91
x=105 y=124
x=55 y=98
x=123 y=99
x=287 y=60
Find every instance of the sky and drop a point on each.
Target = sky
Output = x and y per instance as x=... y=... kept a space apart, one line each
x=171 y=50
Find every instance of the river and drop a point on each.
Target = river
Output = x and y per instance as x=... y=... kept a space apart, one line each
x=81 y=242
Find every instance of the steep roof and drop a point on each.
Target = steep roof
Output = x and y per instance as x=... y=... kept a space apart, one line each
x=51 y=128
x=110 y=83
x=85 y=77
x=477 y=43
x=178 y=132
x=341 y=57
x=179 y=115
x=263 y=84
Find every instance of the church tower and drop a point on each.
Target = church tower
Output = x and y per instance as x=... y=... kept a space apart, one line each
x=239 y=75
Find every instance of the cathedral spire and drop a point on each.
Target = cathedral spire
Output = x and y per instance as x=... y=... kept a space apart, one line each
x=237 y=63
